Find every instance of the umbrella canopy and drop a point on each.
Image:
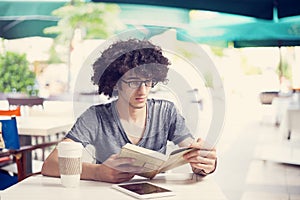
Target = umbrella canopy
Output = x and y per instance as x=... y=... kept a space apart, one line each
x=264 y=9
x=266 y=43
x=154 y=15
x=12 y=28
x=222 y=29
x=21 y=18
x=242 y=31
x=27 y=18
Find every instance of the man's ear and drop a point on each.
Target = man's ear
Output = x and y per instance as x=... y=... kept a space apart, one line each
x=117 y=88
x=115 y=91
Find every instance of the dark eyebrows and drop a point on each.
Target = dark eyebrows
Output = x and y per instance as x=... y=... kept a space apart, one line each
x=133 y=78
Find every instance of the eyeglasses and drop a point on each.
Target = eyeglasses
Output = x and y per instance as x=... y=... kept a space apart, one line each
x=137 y=84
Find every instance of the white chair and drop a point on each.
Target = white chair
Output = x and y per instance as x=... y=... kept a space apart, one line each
x=291 y=121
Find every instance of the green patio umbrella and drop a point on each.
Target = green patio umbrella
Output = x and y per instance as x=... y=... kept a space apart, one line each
x=224 y=29
x=264 y=9
x=13 y=28
x=29 y=18
x=21 y=18
x=154 y=15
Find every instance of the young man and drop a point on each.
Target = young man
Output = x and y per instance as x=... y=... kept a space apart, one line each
x=128 y=70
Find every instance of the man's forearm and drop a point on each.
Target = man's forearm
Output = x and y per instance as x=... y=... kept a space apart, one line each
x=89 y=171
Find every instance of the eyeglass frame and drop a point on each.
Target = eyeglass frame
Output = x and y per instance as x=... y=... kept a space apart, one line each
x=148 y=83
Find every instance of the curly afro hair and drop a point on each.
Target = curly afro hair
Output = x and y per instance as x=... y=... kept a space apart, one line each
x=142 y=56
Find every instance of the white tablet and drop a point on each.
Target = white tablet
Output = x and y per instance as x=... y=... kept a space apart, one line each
x=143 y=190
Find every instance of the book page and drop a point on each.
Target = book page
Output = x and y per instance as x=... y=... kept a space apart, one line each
x=176 y=159
x=153 y=162
x=149 y=160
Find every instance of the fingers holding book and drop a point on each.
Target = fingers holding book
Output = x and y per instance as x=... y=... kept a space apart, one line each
x=122 y=164
x=202 y=160
x=116 y=169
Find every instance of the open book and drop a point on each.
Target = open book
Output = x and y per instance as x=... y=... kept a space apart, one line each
x=154 y=162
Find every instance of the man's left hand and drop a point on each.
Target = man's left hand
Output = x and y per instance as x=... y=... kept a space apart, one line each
x=203 y=160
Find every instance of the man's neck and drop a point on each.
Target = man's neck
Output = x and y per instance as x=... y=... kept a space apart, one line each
x=131 y=114
x=133 y=121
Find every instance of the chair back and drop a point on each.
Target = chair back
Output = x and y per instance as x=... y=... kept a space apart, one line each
x=27 y=101
x=14 y=112
x=10 y=133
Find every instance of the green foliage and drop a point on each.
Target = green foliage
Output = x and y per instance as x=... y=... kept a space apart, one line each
x=15 y=73
x=186 y=54
x=249 y=69
x=284 y=69
x=53 y=56
x=209 y=81
x=93 y=20
x=218 y=51
x=97 y=20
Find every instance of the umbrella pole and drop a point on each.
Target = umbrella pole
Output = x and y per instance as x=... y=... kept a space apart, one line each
x=295 y=69
x=280 y=73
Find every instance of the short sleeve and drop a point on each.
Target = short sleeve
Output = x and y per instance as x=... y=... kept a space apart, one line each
x=178 y=131
x=84 y=129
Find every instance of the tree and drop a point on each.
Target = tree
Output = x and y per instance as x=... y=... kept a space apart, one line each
x=15 y=74
x=92 y=20
x=284 y=71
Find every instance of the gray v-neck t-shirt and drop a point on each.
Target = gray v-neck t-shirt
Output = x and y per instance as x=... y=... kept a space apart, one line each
x=100 y=126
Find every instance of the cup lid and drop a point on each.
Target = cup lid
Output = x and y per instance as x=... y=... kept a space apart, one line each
x=69 y=145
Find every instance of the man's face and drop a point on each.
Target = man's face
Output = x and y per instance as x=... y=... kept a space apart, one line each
x=134 y=90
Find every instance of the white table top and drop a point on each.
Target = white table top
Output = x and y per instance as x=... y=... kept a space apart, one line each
x=39 y=187
x=55 y=117
x=43 y=126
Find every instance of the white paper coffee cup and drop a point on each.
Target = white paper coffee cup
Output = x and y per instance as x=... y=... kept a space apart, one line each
x=70 y=165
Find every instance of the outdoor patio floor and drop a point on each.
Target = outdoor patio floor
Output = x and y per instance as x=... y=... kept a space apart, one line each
x=253 y=159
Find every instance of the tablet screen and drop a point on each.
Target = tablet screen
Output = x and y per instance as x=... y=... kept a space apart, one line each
x=144 y=188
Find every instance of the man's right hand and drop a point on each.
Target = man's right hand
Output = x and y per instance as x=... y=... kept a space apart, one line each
x=116 y=170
